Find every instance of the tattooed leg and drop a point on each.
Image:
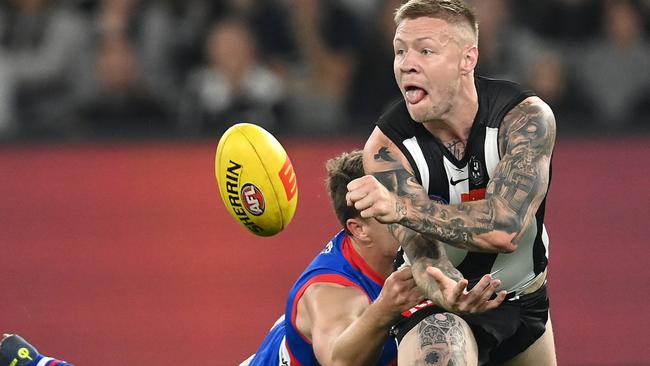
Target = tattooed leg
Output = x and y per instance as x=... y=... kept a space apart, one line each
x=441 y=340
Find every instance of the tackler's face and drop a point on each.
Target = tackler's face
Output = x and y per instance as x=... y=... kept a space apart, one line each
x=427 y=66
x=382 y=236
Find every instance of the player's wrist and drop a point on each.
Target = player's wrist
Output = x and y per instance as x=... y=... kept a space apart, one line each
x=382 y=314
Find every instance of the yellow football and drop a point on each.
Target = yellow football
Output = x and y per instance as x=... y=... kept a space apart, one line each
x=256 y=179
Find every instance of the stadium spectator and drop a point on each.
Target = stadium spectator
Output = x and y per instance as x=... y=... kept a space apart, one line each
x=550 y=77
x=615 y=69
x=42 y=43
x=327 y=39
x=373 y=84
x=507 y=49
x=325 y=52
x=564 y=21
x=120 y=104
x=234 y=86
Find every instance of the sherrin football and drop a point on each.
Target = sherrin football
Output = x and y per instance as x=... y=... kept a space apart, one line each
x=256 y=179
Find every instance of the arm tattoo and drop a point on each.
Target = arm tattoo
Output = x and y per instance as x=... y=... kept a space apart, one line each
x=442 y=340
x=514 y=193
x=422 y=253
x=384 y=154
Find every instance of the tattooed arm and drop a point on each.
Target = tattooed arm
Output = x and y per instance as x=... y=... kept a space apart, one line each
x=438 y=279
x=495 y=224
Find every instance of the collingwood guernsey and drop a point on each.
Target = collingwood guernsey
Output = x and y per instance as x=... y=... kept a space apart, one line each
x=452 y=181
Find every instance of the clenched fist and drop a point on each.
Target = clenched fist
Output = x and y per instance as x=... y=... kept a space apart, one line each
x=372 y=199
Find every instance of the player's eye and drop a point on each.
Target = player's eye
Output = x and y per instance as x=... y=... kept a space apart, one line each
x=426 y=52
x=399 y=52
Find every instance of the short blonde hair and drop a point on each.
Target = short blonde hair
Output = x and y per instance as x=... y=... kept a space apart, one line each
x=451 y=11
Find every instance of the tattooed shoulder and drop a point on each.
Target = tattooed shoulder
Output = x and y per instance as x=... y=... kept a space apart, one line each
x=531 y=123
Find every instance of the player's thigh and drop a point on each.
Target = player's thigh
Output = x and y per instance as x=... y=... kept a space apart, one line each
x=541 y=353
x=437 y=340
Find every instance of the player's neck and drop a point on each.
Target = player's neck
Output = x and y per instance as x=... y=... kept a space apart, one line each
x=457 y=123
x=375 y=258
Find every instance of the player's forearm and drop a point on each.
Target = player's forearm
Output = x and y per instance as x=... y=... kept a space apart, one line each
x=362 y=342
x=481 y=226
x=422 y=253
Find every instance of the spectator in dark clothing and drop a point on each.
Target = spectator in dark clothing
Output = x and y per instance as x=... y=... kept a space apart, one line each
x=121 y=106
x=374 y=84
x=234 y=85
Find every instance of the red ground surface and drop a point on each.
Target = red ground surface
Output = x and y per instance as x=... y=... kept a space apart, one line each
x=124 y=254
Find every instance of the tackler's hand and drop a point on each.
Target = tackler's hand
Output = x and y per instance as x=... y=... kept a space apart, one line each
x=399 y=293
x=372 y=199
x=456 y=298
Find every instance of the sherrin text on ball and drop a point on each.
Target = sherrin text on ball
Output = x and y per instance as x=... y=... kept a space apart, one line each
x=256 y=179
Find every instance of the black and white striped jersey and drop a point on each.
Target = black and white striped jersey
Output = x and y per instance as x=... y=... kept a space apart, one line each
x=451 y=181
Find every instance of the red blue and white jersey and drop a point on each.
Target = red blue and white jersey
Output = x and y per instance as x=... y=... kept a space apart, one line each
x=338 y=263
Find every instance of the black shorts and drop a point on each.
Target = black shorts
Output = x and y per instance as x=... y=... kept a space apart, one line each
x=501 y=333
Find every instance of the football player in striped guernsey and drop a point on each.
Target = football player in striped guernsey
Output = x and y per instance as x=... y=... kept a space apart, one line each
x=15 y=351
x=465 y=161
x=341 y=309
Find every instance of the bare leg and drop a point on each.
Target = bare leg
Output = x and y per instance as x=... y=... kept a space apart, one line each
x=541 y=353
x=440 y=339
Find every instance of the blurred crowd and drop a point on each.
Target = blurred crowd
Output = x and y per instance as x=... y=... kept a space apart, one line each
x=84 y=69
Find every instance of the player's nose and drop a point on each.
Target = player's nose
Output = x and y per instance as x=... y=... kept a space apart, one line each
x=408 y=63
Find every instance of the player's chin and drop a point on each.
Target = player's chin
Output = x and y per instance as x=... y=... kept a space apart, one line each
x=419 y=112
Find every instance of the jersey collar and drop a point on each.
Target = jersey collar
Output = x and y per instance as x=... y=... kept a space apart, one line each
x=355 y=259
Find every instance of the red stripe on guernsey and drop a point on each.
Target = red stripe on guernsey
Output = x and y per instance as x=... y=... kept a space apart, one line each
x=473 y=195
x=324 y=278
x=53 y=363
x=292 y=358
x=424 y=304
x=351 y=254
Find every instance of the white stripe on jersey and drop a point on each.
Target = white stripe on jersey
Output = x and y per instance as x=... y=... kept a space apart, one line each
x=491 y=150
x=247 y=361
x=280 y=320
x=545 y=240
x=283 y=354
x=44 y=361
x=416 y=152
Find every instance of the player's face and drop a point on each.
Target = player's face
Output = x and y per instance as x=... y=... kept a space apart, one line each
x=382 y=237
x=427 y=66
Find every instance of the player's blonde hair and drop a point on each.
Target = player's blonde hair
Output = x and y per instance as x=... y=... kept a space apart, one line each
x=341 y=171
x=451 y=11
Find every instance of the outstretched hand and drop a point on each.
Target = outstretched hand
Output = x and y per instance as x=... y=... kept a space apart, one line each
x=457 y=299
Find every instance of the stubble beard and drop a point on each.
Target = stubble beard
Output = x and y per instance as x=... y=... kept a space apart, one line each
x=437 y=111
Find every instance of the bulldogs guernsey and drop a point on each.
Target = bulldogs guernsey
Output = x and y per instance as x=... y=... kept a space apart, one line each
x=337 y=263
x=451 y=181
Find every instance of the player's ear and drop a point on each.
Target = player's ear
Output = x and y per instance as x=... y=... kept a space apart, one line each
x=469 y=60
x=357 y=228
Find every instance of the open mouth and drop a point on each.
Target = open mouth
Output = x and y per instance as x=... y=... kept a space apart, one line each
x=414 y=94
